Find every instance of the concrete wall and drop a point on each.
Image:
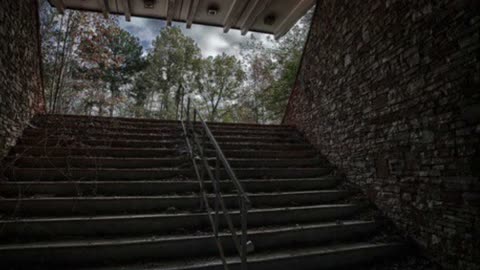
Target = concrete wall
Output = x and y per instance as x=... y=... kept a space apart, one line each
x=21 y=93
x=389 y=91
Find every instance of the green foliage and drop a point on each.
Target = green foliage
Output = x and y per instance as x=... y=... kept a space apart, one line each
x=59 y=38
x=272 y=73
x=112 y=56
x=217 y=83
x=88 y=62
x=172 y=64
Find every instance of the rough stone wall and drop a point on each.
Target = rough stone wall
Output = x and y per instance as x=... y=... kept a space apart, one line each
x=389 y=92
x=21 y=93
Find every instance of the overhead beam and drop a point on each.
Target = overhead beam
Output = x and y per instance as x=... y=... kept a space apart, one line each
x=186 y=4
x=248 y=12
x=234 y=12
x=173 y=9
x=170 y=11
x=105 y=8
x=191 y=13
x=300 y=8
x=127 y=10
x=178 y=10
x=251 y=13
x=59 y=5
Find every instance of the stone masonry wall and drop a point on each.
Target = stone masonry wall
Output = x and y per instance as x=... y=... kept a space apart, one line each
x=21 y=93
x=389 y=92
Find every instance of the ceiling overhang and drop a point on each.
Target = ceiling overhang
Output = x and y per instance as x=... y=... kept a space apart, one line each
x=266 y=16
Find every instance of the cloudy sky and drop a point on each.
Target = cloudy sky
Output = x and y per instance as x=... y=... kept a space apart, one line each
x=211 y=40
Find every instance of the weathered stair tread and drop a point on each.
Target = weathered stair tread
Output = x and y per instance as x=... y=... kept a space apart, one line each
x=253 y=195
x=254 y=211
x=74 y=141
x=160 y=129
x=42 y=135
x=136 y=143
x=59 y=123
x=100 y=173
x=275 y=162
x=264 y=146
x=368 y=225
x=94 y=151
x=64 y=117
x=252 y=138
x=98 y=162
x=144 y=187
x=334 y=256
x=42 y=119
x=102 y=119
x=133 y=162
x=86 y=130
x=327 y=257
x=53 y=174
x=125 y=204
x=151 y=152
x=266 y=153
x=101 y=250
x=114 y=224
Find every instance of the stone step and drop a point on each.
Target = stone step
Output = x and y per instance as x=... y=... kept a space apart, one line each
x=79 y=142
x=226 y=126
x=256 y=154
x=259 y=132
x=61 y=174
x=328 y=257
x=258 y=139
x=102 y=119
x=52 y=227
x=40 y=136
x=109 y=162
x=128 y=249
x=104 y=124
x=126 y=188
x=85 y=130
x=79 y=129
x=264 y=146
x=159 y=126
x=57 y=206
x=22 y=150
x=273 y=163
x=97 y=162
x=52 y=119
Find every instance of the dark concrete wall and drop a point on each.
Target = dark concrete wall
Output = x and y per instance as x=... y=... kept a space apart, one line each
x=21 y=93
x=389 y=91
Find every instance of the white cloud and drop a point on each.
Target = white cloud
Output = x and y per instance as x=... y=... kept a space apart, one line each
x=211 y=40
x=145 y=29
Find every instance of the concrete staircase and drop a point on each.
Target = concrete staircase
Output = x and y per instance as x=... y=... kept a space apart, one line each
x=116 y=193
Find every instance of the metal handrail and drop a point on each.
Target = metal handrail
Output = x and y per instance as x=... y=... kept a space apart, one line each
x=197 y=151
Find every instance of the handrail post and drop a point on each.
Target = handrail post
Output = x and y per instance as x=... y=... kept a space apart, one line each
x=188 y=116
x=243 y=220
x=216 y=187
x=188 y=110
x=202 y=177
x=194 y=116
